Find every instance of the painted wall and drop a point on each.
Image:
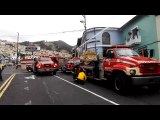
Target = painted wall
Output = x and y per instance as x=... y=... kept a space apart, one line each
x=158 y=32
x=147 y=31
x=96 y=35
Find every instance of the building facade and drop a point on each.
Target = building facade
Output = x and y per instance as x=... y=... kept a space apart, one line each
x=98 y=38
x=142 y=33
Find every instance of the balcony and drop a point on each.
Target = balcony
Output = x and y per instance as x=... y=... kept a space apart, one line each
x=135 y=41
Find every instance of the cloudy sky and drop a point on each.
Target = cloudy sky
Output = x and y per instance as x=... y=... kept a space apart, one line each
x=54 y=27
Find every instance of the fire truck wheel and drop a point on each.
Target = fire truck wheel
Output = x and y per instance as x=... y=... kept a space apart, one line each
x=54 y=73
x=120 y=84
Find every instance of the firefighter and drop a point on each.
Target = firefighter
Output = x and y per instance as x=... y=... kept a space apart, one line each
x=75 y=71
x=81 y=76
x=35 y=63
x=1 y=69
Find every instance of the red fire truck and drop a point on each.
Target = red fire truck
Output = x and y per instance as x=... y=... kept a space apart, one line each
x=123 y=67
x=69 y=64
x=44 y=64
x=26 y=64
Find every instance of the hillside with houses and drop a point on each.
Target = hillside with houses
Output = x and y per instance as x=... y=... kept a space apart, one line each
x=8 y=50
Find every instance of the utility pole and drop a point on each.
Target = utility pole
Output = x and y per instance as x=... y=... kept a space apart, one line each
x=17 y=47
x=84 y=22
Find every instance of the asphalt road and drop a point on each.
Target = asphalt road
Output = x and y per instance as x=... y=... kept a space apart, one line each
x=28 y=89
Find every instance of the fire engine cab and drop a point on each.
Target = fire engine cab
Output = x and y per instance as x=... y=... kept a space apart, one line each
x=106 y=59
x=123 y=67
x=69 y=64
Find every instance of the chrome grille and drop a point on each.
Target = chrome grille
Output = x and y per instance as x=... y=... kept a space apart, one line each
x=149 y=68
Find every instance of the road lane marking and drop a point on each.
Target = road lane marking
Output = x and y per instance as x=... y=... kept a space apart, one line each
x=18 y=73
x=6 y=86
x=26 y=81
x=56 y=92
x=6 y=82
x=28 y=103
x=89 y=91
x=26 y=88
x=30 y=77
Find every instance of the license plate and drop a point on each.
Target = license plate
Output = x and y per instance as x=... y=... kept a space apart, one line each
x=47 y=69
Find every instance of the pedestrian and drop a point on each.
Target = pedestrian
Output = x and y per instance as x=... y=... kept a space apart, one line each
x=1 y=69
x=81 y=77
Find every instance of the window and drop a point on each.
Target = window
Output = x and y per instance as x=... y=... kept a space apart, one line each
x=106 y=38
x=146 y=52
x=134 y=33
x=126 y=52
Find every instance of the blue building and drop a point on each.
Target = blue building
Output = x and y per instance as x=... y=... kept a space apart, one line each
x=98 y=38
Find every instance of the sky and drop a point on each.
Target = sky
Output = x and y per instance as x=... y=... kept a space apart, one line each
x=67 y=28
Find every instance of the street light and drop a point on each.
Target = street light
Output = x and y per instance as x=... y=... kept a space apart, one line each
x=84 y=22
x=17 y=47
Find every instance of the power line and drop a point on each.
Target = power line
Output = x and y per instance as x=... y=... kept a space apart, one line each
x=46 y=33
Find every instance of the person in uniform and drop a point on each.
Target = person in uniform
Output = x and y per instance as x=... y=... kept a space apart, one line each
x=1 y=69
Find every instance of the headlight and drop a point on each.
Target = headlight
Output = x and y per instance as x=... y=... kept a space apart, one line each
x=132 y=72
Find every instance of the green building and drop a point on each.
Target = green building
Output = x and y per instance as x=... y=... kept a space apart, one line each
x=143 y=33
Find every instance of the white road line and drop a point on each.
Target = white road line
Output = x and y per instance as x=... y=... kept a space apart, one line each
x=30 y=77
x=28 y=103
x=26 y=81
x=89 y=91
x=56 y=92
x=26 y=88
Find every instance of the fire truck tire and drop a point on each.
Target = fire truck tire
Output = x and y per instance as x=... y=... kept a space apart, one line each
x=54 y=73
x=120 y=84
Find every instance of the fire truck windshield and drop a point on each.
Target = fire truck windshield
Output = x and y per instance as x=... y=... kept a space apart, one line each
x=70 y=61
x=126 y=52
x=76 y=61
x=45 y=59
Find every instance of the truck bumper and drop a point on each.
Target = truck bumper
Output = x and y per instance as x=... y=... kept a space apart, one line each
x=47 y=69
x=146 y=80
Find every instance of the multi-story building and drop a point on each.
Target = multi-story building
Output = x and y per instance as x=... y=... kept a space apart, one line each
x=142 y=33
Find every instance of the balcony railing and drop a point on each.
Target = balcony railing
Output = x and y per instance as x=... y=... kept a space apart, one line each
x=134 y=41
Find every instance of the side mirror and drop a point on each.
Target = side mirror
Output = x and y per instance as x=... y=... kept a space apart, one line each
x=112 y=55
x=151 y=53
